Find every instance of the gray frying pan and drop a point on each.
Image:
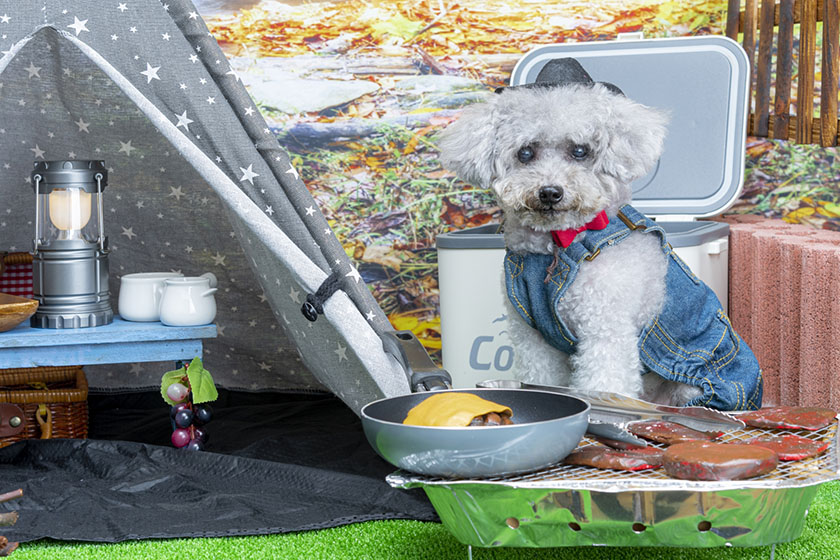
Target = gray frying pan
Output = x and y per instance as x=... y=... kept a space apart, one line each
x=547 y=427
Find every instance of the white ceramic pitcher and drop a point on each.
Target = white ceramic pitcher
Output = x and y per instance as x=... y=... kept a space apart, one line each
x=188 y=302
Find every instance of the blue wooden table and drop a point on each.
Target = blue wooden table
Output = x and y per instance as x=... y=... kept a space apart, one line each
x=116 y=343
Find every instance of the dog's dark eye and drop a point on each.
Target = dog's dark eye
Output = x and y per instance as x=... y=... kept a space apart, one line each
x=526 y=154
x=579 y=152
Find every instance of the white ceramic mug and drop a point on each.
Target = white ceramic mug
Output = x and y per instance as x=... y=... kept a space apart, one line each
x=188 y=302
x=141 y=293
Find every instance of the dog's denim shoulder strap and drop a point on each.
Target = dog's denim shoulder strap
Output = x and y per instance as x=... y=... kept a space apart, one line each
x=627 y=220
x=534 y=284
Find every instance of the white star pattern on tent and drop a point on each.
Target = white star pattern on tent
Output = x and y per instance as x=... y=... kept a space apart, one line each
x=177 y=192
x=354 y=274
x=293 y=171
x=184 y=121
x=126 y=147
x=34 y=71
x=83 y=126
x=248 y=174
x=79 y=25
x=151 y=73
x=294 y=294
x=39 y=153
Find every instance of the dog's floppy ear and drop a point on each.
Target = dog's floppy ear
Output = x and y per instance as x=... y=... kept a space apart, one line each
x=637 y=135
x=467 y=145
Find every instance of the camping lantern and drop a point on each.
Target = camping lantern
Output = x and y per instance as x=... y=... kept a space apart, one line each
x=70 y=264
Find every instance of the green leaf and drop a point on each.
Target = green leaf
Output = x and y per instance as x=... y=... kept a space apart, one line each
x=168 y=379
x=833 y=207
x=398 y=26
x=201 y=383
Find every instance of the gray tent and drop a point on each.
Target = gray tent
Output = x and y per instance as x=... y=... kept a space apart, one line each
x=197 y=183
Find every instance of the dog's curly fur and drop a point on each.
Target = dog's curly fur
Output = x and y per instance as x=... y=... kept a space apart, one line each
x=617 y=293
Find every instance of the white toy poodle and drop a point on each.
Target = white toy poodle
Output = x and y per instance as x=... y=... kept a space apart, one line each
x=597 y=300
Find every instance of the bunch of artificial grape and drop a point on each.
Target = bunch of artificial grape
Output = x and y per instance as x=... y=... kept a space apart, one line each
x=188 y=419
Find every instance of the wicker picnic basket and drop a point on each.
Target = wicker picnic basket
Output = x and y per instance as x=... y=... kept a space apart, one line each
x=39 y=402
x=52 y=402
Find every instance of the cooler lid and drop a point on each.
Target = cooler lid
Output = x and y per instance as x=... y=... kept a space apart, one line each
x=702 y=83
x=679 y=234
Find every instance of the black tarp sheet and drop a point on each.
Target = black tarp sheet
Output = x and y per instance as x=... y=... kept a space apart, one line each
x=274 y=463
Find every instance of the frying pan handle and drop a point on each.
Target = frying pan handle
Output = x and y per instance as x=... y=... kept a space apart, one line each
x=422 y=373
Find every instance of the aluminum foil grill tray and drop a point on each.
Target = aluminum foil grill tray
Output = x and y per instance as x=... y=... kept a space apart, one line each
x=566 y=505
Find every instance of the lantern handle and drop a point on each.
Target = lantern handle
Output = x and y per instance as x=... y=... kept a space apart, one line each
x=37 y=177
x=99 y=178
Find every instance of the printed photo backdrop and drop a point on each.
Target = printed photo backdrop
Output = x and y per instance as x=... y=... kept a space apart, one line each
x=357 y=91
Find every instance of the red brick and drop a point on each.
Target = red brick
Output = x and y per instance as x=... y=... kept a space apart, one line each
x=741 y=272
x=765 y=309
x=789 y=319
x=817 y=348
x=743 y=218
x=834 y=400
x=740 y=278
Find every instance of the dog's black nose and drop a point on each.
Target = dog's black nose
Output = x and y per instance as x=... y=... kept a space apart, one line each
x=551 y=194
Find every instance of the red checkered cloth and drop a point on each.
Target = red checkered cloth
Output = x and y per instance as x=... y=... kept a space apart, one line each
x=16 y=278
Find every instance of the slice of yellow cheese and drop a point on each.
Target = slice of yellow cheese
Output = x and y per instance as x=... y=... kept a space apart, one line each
x=452 y=409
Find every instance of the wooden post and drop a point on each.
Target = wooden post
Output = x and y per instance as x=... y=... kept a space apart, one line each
x=750 y=22
x=784 y=68
x=805 y=82
x=764 y=63
x=733 y=13
x=830 y=67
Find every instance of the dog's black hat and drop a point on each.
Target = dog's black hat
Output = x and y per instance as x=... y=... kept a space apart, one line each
x=560 y=72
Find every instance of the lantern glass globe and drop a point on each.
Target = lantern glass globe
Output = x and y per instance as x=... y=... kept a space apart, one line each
x=70 y=209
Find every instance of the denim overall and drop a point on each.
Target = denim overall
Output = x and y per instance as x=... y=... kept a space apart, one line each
x=690 y=341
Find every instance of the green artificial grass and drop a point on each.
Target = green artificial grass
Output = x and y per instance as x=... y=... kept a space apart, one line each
x=410 y=540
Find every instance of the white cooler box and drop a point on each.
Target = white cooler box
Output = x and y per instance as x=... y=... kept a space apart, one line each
x=702 y=83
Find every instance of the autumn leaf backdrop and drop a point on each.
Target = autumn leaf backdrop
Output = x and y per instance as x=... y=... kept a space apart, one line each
x=357 y=90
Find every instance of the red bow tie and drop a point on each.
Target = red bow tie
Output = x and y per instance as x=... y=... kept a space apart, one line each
x=564 y=237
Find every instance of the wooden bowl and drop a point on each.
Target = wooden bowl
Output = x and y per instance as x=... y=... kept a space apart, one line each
x=14 y=310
